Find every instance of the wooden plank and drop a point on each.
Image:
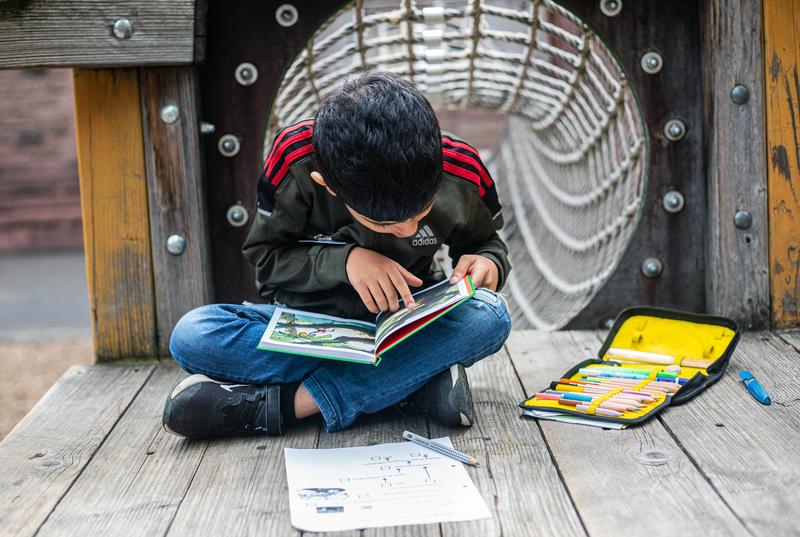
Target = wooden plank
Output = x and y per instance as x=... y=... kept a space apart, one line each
x=114 y=204
x=176 y=195
x=44 y=454
x=240 y=487
x=632 y=482
x=746 y=450
x=792 y=338
x=72 y=33
x=135 y=482
x=782 y=52
x=517 y=477
x=737 y=278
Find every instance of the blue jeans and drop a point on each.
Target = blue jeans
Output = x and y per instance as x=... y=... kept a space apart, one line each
x=220 y=341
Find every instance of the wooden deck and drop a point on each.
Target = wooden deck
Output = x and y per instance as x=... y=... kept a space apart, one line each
x=91 y=457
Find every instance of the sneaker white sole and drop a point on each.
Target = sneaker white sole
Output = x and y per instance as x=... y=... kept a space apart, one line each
x=197 y=378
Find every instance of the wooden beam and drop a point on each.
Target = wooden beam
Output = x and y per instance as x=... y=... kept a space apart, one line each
x=116 y=233
x=176 y=195
x=737 y=280
x=72 y=33
x=782 y=52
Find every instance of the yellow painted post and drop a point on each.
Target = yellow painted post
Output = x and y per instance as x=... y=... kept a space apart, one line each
x=782 y=56
x=116 y=230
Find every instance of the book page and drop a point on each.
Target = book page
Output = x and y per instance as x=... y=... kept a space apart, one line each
x=429 y=300
x=315 y=334
x=381 y=485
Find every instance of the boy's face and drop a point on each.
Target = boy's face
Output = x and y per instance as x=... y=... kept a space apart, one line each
x=403 y=229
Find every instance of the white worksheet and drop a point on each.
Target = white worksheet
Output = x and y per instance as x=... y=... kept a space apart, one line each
x=381 y=485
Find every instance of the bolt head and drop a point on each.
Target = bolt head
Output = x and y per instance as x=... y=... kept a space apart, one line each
x=170 y=114
x=743 y=219
x=246 y=74
x=674 y=130
x=672 y=201
x=228 y=145
x=287 y=15
x=611 y=8
x=122 y=28
x=176 y=244
x=740 y=94
x=651 y=62
x=652 y=267
x=237 y=215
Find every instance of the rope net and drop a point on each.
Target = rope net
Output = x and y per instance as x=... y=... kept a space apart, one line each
x=570 y=168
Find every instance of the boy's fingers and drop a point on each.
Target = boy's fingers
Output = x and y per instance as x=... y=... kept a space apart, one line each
x=379 y=297
x=387 y=284
x=408 y=277
x=462 y=268
x=402 y=288
x=366 y=298
x=478 y=274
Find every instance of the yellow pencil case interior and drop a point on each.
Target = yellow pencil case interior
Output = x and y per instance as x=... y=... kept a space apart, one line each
x=665 y=356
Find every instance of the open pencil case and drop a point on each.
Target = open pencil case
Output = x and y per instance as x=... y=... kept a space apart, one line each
x=652 y=358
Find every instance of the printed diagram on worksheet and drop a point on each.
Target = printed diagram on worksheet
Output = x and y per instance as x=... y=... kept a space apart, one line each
x=382 y=485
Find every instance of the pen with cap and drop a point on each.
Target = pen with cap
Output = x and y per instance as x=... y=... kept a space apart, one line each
x=755 y=388
x=439 y=448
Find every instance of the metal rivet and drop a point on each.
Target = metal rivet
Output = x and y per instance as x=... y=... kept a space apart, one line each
x=170 y=114
x=287 y=15
x=674 y=130
x=122 y=28
x=743 y=219
x=740 y=94
x=246 y=74
x=651 y=62
x=176 y=244
x=207 y=128
x=672 y=201
x=237 y=215
x=652 y=267
x=229 y=145
x=610 y=8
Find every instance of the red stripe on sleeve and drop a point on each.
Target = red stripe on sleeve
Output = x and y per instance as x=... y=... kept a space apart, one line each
x=464 y=174
x=291 y=158
x=286 y=131
x=478 y=163
x=461 y=157
x=275 y=156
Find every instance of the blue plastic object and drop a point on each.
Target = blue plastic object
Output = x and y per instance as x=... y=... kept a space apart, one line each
x=755 y=388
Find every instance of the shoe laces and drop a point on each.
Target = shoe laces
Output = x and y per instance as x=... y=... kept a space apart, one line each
x=240 y=411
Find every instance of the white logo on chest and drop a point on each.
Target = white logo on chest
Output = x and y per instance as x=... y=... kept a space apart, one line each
x=424 y=237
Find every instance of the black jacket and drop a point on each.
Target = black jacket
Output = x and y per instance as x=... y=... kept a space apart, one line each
x=301 y=235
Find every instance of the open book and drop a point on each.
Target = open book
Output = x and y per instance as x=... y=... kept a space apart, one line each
x=325 y=336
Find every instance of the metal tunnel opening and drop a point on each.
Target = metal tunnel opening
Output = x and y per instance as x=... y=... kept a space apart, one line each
x=570 y=167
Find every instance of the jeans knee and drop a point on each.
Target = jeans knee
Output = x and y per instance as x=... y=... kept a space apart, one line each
x=500 y=324
x=184 y=338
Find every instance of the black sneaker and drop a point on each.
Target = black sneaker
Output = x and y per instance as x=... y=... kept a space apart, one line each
x=445 y=398
x=199 y=407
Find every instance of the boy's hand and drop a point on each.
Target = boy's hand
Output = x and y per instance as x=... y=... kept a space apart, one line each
x=379 y=280
x=482 y=269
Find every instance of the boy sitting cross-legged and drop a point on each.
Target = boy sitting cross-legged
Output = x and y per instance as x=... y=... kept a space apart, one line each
x=352 y=207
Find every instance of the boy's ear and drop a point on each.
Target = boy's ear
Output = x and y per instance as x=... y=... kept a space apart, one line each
x=317 y=178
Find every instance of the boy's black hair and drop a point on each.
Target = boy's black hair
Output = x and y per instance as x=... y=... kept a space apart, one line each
x=379 y=147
